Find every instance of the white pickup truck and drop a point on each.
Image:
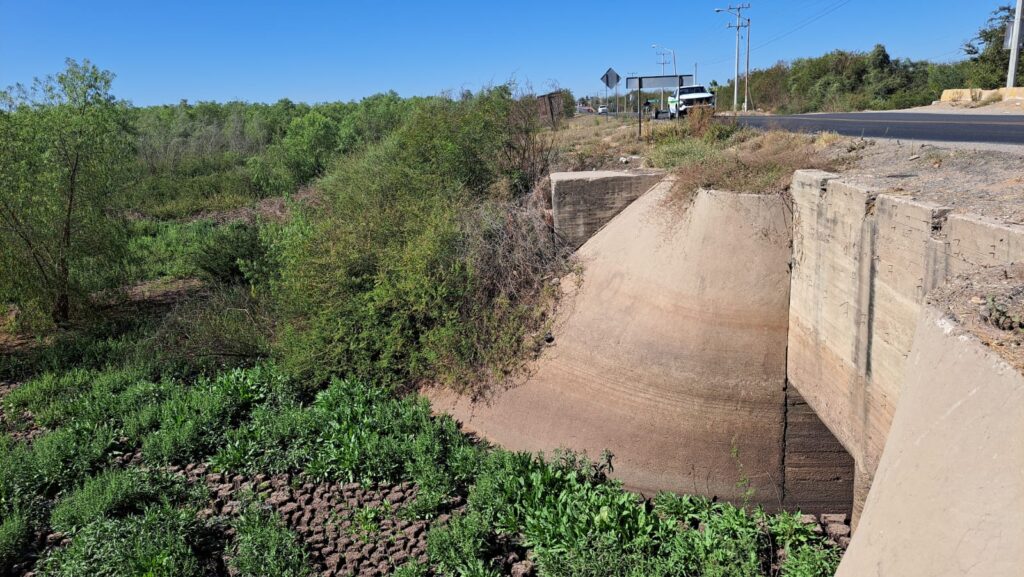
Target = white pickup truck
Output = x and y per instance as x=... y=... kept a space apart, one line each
x=685 y=98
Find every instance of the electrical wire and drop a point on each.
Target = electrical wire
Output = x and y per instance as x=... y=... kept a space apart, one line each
x=803 y=24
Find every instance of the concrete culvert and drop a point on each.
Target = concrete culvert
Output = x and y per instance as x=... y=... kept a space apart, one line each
x=671 y=353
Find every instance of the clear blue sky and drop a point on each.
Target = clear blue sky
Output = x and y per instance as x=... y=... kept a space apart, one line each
x=321 y=51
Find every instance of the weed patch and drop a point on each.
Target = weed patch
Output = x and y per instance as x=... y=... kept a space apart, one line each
x=161 y=542
x=264 y=546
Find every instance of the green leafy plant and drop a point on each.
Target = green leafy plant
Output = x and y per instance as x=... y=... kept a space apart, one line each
x=117 y=493
x=263 y=546
x=161 y=542
x=15 y=532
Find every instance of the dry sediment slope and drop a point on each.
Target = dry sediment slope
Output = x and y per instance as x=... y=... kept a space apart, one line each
x=671 y=353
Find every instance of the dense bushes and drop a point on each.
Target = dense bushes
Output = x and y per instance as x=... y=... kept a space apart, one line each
x=209 y=156
x=397 y=281
x=838 y=81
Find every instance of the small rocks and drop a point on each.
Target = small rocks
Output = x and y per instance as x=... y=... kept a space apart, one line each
x=522 y=569
x=830 y=518
x=835 y=526
x=837 y=530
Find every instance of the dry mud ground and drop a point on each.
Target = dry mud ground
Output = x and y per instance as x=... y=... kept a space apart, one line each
x=965 y=178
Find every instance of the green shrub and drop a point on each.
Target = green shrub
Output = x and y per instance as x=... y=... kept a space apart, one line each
x=224 y=328
x=161 y=542
x=15 y=533
x=354 y=432
x=167 y=249
x=461 y=547
x=225 y=251
x=420 y=265
x=263 y=546
x=117 y=493
x=53 y=462
x=193 y=423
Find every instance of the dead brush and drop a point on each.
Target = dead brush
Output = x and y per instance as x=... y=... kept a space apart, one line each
x=699 y=120
x=762 y=164
x=515 y=258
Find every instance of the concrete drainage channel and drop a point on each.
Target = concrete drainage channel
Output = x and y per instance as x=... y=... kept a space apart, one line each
x=787 y=344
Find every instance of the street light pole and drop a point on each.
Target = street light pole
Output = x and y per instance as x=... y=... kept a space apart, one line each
x=738 y=12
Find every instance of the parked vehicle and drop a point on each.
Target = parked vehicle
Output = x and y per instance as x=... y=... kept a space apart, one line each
x=603 y=109
x=687 y=97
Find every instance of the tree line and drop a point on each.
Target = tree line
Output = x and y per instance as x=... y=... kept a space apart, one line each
x=848 y=80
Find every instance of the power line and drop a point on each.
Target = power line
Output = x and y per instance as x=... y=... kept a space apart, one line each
x=804 y=24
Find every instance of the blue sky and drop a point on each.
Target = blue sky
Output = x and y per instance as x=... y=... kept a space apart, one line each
x=322 y=51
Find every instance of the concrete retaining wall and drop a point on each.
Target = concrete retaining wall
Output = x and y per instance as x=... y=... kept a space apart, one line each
x=583 y=202
x=948 y=493
x=862 y=264
x=671 y=353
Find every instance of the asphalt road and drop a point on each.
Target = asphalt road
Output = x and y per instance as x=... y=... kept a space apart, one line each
x=903 y=125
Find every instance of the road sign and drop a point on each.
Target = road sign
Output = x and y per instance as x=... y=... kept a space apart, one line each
x=610 y=78
x=670 y=81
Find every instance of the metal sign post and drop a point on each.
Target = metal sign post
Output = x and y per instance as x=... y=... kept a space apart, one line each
x=640 y=82
x=611 y=80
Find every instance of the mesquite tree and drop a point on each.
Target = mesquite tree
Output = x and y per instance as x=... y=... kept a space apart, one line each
x=66 y=155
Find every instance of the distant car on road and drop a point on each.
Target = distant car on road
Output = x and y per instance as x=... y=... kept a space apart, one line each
x=602 y=109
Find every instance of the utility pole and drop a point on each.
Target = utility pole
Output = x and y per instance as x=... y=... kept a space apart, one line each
x=1011 y=74
x=738 y=12
x=663 y=55
x=625 y=97
x=746 y=75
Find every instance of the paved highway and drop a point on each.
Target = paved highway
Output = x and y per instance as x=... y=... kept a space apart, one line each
x=1005 y=129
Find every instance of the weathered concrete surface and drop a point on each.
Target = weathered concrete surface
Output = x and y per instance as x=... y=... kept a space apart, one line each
x=671 y=353
x=977 y=94
x=818 y=472
x=948 y=494
x=862 y=264
x=583 y=202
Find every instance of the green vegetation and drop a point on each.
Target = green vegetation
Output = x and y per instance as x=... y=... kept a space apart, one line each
x=265 y=547
x=421 y=265
x=289 y=342
x=118 y=493
x=355 y=432
x=163 y=541
x=577 y=522
x=843 y=80
x=64 y=158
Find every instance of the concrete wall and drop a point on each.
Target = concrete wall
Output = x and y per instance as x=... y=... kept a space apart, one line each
x=977 y=94
x=583 y=202
x=817 y=470
x=948 y=494
x=862 y=264
x=670 y=353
